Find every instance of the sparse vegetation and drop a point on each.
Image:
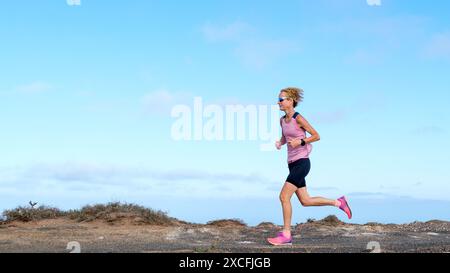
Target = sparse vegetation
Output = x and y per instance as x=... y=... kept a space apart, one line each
x=27 y=214
x=373 y=224
x=266 y=225
x=330 y=220
x=227 y=223
x=111 y=213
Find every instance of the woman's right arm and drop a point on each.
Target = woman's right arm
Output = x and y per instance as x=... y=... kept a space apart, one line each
x=283 y=138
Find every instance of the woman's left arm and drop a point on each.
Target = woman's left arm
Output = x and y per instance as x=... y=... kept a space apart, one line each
x=302 y=122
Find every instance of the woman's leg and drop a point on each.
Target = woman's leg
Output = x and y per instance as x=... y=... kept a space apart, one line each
x=285 y=198
x=308 y=201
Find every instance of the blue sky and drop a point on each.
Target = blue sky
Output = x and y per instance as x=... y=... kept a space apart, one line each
x=86 y=93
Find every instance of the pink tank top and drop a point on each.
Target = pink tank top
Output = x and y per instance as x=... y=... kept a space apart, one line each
x=291 y=130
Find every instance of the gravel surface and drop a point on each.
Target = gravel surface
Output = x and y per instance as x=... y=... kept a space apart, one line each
x=226 y=236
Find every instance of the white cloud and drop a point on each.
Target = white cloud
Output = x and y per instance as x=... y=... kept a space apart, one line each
x=231 y=32
x=369 y=195
x=330 y=117
x=439 y=46
x=377 y=39
x=364 y=57
x=367 y=103
x=370 y=101
x=260 y=54
x=428 y=130
x=117 y=179
x=254 y=51
x=34 y=87
x=161 y=101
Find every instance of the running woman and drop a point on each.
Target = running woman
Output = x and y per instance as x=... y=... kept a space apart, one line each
x=294 y=127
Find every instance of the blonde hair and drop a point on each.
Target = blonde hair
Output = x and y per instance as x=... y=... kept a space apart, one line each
x=294 y=93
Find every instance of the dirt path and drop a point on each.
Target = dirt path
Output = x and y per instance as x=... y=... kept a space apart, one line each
x=55 y=235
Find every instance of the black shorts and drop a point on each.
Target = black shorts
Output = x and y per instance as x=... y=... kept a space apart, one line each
x=298 y=170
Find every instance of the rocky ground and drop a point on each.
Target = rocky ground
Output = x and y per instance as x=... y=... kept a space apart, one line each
x=225 y=236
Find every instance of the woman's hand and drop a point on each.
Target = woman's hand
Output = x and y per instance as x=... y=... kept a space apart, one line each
x=294 y=143
x=278 y=145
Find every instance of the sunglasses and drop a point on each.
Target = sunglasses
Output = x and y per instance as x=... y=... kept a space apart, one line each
x=282 y=99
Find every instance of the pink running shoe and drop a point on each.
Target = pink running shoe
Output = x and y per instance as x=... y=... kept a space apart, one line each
x=345 y=207
x=280 y=240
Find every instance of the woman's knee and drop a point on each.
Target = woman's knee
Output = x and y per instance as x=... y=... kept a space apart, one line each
x=285 y=198
x=306 y=202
